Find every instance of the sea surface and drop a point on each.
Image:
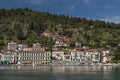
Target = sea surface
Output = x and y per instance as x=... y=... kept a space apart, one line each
x=59 y=72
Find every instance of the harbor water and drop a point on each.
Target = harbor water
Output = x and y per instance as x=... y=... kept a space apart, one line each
x=15 y=72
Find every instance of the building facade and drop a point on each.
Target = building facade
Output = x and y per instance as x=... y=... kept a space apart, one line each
x=58 y=55
x=21 y=46
x=67 y=57
x=12 y=46
x=105 y=56
x=37 y=45
x=9 y=57
x=34 y=57
x=0 y=56
x=92 y=56
x=78 y=56
x=59 y=43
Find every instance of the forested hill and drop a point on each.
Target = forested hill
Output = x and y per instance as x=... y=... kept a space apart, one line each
x=27 y=26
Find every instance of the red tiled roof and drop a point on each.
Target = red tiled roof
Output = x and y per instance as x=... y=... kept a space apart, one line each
x=32 y=51
x=77 y=51
x=58 y=51
x=8 y=52
x=92 y=50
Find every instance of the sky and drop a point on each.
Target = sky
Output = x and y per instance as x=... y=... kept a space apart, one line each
x=107 y=10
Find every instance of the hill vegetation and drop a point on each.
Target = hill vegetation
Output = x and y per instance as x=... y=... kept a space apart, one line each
x=27 y=26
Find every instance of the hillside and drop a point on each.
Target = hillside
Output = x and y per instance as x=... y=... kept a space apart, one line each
x=27 y=26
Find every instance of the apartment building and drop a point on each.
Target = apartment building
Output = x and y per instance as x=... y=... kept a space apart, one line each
x=34 y=57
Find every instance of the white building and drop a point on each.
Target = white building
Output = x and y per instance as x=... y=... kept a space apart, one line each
x=34 y=57
x=92 y=56
x=58 y=55
x=37 y=45
x=58 y=43
x=67 y=57
x=22 y=46
x=9 y=57
x=78 y=44
x=27 y=49
x=106 y=56
x=78 y=56
x=12 y=46
x=0 y=56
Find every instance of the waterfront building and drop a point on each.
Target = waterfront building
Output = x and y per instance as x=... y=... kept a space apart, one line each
x=67 y=57
x=12 y=46
x=33 y=49
x=96 y=57
x=106 y=56
x=92 y=56
x=58 y=55
x=9 y=57
x=78 y=56
x=0 y=56
x=34 y=57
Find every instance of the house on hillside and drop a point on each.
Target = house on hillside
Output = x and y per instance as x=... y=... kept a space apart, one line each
x=58 y=43
x=12 y=46
x=37 y=45
x=22 y=46
x=78 y=44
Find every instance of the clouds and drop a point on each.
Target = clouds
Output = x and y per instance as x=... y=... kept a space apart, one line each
x=39 y=2
x=72 y=7
x=84 y=8
x=87 y=2
x=94 y=9
x=118 y=0
x=36 y=2
x=115 y=19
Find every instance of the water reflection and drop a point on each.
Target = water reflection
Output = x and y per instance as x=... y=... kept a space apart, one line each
x=59 y=68
x=59 y=72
